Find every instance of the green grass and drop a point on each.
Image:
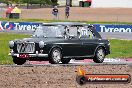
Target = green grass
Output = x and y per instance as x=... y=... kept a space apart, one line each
x=119 y=48
x=4 y=49
x=41 y=20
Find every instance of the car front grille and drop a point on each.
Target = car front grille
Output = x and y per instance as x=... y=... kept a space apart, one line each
x=26 y=47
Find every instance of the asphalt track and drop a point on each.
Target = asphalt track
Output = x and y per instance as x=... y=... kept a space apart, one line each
x=116 y=35
x=107 y=61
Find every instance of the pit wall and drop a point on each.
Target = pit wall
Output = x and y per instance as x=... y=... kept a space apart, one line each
x=29 y=26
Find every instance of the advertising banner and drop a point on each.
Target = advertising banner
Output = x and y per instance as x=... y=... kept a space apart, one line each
x=18 y=25
x=113 y=28
x=34 y=26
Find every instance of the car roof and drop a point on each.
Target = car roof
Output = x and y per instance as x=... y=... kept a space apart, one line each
x=71 y=24
x=65 y=24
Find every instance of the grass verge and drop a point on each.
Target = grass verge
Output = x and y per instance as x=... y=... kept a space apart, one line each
x=4 y=49
x=41 y=20
x=119 y=48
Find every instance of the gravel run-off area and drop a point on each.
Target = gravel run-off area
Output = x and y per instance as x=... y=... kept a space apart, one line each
x=57 y=76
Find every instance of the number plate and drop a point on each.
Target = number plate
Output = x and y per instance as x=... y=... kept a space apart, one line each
x=23 y=56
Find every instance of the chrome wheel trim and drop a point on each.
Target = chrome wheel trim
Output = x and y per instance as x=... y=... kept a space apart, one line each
x=56 y=55
x=100 y=54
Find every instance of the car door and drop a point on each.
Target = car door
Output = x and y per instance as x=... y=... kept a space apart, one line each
x=88 y=46
x=89 y=42
x=72 y=47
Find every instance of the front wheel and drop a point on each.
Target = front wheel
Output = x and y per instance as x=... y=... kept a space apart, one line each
x=99 y=55
x=55 y=56
x=18 y=61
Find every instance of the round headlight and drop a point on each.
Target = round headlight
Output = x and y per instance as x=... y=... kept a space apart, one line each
x=41 y=44
x=11 y=44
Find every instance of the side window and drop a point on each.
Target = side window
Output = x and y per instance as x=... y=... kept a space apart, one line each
x=73 y=31
x=85 y=33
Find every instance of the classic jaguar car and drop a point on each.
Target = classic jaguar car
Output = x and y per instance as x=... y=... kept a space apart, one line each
x=59 y=42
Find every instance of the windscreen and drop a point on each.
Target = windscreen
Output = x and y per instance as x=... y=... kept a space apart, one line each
x=49 y=31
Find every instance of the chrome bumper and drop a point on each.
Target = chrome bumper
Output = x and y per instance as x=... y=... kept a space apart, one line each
x=30 y=55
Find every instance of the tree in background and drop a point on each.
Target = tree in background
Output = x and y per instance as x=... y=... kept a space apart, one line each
x=54 y=2
x=29 y=2
x=71 y=3
x=17 y=1
x=41 y=2
x=8 y=2
x=44 y=2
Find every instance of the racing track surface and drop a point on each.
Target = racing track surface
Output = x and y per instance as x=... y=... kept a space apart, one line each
x=116 y=35
x=107 y=61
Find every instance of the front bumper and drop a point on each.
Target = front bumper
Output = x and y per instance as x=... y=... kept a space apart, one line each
x=30 y=55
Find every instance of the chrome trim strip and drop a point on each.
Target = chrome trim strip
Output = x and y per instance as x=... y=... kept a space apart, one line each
x=78 y=56
x=30 y=55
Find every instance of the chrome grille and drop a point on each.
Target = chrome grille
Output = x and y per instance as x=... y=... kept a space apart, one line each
x=26 y=47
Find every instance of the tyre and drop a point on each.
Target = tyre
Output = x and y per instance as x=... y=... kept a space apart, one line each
x=18 y=61
x=99 y=55
x=81 y=80
x=65 y=61
x=55 y=56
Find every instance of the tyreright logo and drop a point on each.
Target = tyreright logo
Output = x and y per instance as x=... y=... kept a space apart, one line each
x=104 y=28
x=8 y=26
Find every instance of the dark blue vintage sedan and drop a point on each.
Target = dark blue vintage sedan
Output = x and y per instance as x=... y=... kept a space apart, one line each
x=60 y=42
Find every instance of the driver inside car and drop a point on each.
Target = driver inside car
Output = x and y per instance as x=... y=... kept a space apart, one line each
x=67 y=32
x=84 y=32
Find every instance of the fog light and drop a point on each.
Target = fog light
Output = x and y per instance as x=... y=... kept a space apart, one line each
x=37 y=53
x=41 y=51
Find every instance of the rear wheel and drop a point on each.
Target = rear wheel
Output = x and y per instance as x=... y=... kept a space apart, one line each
x=99 y=55
x=18 y=61
x=55 y=56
